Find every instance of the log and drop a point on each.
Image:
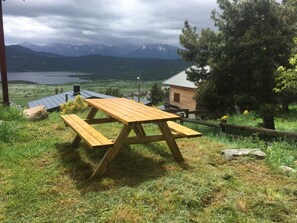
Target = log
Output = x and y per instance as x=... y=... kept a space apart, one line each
x=209 y=124
x=264 y=131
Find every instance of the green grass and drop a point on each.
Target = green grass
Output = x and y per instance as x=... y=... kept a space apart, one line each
x=43 y=179
x=279 y=151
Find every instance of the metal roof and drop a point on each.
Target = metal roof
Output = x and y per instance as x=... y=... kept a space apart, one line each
x=180 y=79
x=142 y=100
x=52 y=103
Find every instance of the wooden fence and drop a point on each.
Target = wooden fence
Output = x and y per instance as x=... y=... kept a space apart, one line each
x=223 y=126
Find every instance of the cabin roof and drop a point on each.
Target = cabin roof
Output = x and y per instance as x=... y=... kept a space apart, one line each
x=52 y=103
x=181 y=79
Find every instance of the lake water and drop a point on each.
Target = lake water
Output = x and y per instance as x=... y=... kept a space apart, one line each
x=45 y=77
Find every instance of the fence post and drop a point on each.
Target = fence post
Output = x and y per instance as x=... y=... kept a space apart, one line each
x=187 y=113
x=223 y=128
x=181 y=121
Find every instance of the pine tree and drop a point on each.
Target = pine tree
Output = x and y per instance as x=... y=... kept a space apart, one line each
x=253 y=38
x=157 y=94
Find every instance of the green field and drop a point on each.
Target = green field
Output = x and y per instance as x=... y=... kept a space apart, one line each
x=21 y=94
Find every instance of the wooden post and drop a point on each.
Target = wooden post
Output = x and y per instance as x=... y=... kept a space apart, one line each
x=3 y=61
x=223 y=128
x=187 y=113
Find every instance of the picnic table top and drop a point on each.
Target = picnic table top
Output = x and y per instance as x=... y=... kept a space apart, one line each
x=128 y=111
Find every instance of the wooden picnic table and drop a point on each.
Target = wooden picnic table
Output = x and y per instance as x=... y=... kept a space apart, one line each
x=132 y=115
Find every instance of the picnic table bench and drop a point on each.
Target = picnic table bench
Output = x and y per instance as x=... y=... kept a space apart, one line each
x=132 y=115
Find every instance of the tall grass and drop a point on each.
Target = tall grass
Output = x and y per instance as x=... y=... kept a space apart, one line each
x=10 y=113
x=9 y=118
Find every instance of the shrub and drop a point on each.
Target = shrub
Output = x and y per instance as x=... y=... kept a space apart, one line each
x=74 y=106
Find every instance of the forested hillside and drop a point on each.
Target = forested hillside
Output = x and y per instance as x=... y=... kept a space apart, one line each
x=20 y=59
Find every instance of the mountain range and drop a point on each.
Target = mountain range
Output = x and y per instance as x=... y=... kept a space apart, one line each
x=21 y=59
x=160 y=51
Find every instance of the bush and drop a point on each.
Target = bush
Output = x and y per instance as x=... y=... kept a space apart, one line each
x=74 y=106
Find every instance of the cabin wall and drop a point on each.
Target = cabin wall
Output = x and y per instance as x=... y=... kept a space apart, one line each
x=185 y=96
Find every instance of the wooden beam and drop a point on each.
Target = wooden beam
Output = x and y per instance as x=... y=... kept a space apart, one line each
x=100 y=120
x=149 y=139
x=170 y=141
x=112 y=152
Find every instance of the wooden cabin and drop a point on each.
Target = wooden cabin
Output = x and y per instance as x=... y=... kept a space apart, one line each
x=182 y=91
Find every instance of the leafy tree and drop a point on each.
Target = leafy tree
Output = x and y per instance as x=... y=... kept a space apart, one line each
x=157 y=94
x=253 y=38
x=286 y=83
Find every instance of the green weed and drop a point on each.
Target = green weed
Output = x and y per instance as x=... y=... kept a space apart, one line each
x=10 y=113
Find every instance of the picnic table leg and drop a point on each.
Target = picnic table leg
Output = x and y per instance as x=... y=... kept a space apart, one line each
x=91 y=115
x=138 y=129
x=170 y=141
x=112 y=152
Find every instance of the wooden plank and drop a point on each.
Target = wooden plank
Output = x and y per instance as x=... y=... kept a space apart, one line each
x=100 y=120
x=91 y=136
x=144 y=139
x=89 y=132
x=127 y=111
x=141 y=109
x=92 y=113
x=91 y=141
x=138 y=129
x=112 y=152
x=110 y=111
x=183 y=130
x=170 y=141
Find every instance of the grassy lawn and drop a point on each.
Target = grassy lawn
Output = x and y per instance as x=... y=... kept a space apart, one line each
x=43 y=179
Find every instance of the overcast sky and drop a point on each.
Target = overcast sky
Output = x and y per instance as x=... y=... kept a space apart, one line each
x=102 y=21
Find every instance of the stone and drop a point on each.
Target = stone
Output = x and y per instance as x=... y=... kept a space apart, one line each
x=35 y=114
x=287 y=169
x=233 y=153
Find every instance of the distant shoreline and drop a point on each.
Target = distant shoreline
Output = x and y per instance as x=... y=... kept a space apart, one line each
x=48 y=78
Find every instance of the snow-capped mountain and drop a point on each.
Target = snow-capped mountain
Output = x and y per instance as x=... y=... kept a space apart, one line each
x=161 y=51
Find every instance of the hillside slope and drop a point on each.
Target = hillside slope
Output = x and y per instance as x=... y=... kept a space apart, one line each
x=21 y=59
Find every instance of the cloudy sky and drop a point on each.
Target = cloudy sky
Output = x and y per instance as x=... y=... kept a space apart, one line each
x=102 y=21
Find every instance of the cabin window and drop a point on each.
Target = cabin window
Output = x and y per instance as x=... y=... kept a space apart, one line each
x=176 y=97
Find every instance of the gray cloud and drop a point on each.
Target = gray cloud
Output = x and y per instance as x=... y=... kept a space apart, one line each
x=102 y=21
